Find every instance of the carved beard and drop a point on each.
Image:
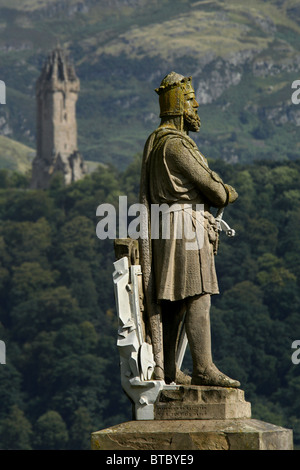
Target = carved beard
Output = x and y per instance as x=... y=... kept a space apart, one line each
x=192 y=120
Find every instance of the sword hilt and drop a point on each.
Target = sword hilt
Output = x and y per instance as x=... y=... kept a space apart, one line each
x=222 y=225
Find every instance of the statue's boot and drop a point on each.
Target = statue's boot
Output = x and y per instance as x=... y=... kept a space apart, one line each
x=213 y=377
x=197 y=325
x=182 y=378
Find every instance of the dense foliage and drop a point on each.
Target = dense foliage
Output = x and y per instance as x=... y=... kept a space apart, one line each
x=57 y=315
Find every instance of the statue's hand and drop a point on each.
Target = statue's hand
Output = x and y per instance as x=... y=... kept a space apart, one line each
x=232 y=194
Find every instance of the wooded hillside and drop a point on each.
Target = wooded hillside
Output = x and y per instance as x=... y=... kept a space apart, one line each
x=57 y=313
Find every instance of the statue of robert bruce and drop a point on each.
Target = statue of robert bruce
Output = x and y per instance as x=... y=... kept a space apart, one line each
x=179 y=283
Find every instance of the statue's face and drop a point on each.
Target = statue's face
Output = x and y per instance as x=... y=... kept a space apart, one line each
x=191 y=118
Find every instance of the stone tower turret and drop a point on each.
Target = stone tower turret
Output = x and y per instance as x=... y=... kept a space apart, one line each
x=57 y=91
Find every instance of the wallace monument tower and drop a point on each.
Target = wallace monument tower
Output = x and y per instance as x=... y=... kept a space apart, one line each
x=57 y=91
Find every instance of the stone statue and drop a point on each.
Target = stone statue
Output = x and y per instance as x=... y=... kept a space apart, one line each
x=179 y=283
x=163 y=292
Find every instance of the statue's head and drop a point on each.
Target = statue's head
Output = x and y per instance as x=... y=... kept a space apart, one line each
x=177 y=98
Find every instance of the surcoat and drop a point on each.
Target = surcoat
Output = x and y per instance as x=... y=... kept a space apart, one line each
x=175 y=172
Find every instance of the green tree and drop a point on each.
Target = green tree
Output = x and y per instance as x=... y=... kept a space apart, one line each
x=46 y=311
x=77 y=239
x=10 y=385
x=28 y=206
x=27 y=241
x=80 y=430
x=16 y=431
x=29 y=278
x=50 y=432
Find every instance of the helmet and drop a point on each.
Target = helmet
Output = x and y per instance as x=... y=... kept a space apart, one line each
x=173 y=91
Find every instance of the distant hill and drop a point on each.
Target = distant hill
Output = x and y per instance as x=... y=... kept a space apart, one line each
x=15 y=156
x=18 y=157
x=243 y=57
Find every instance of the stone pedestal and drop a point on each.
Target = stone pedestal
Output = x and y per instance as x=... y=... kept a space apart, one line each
x=227 y=434
x=199 y=402
x=196 y=418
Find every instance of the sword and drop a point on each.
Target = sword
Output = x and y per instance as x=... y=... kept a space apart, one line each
x=222 y=225
x=181 y=346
